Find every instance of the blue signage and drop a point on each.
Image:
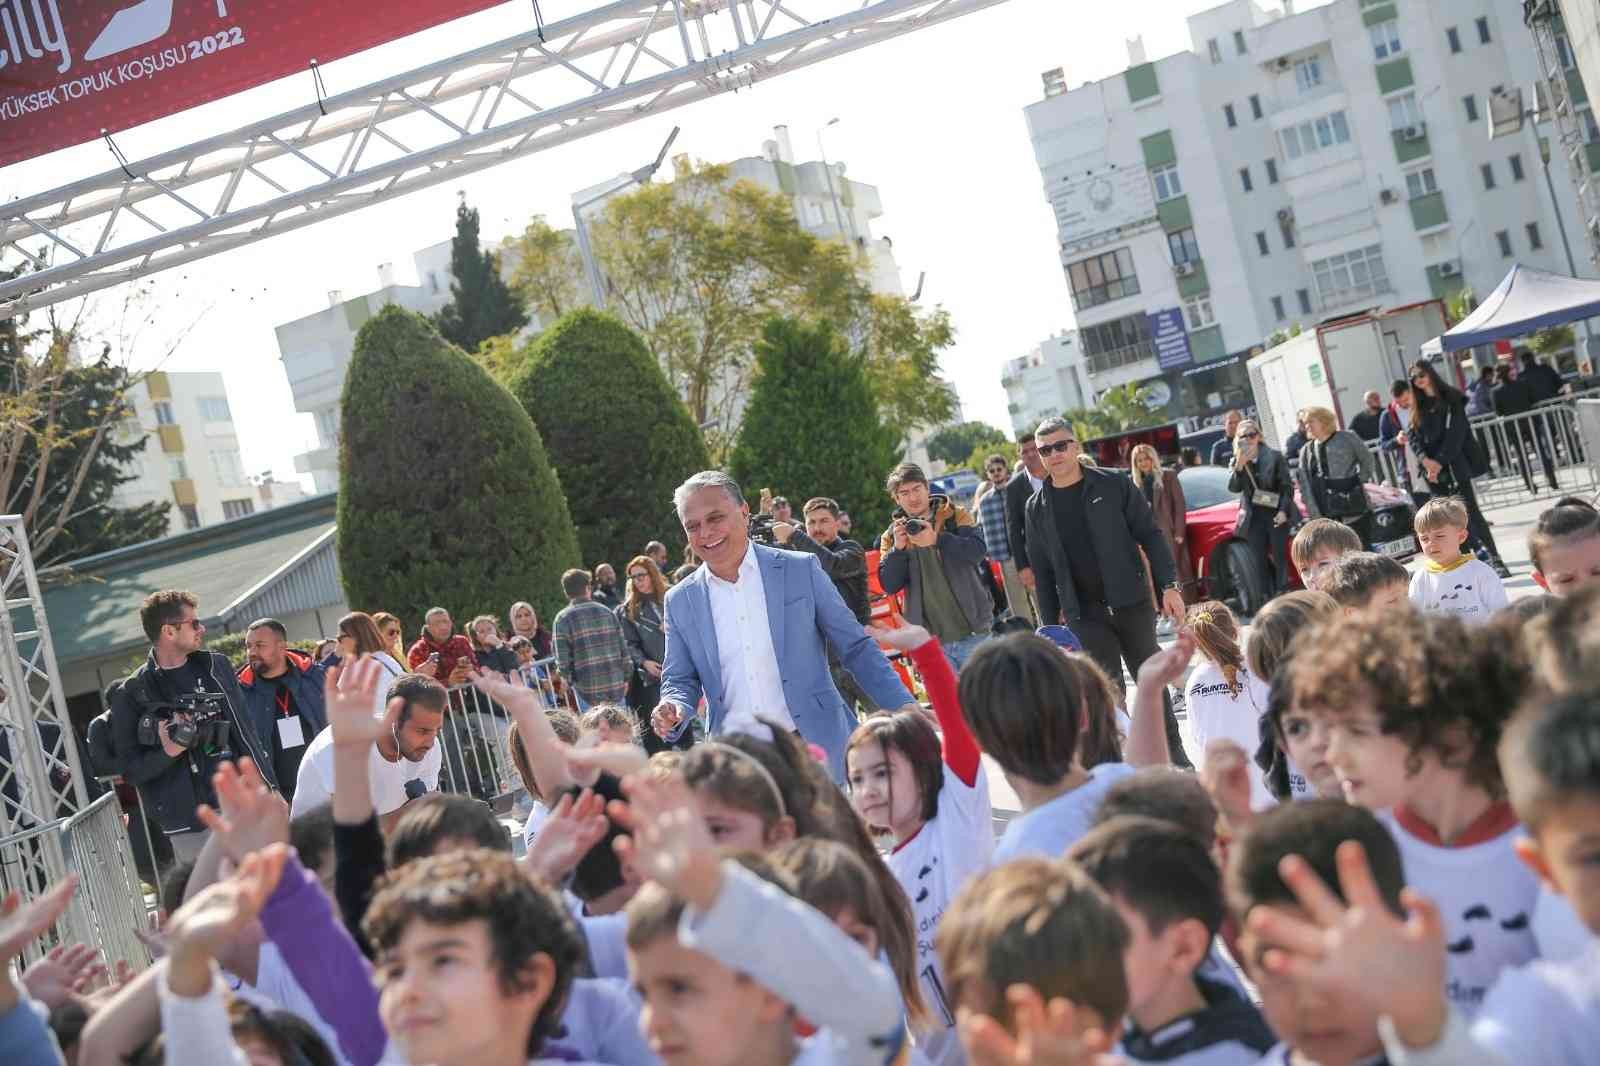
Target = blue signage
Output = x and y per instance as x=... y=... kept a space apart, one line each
x=1170 y=339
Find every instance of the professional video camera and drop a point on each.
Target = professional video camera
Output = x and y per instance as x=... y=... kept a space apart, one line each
x=198 y=720
x=761 y=530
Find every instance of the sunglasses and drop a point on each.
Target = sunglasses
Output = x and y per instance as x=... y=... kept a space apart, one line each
x=1248 y=436
x=189 y=622
x=1062 y=446
x=639 y=576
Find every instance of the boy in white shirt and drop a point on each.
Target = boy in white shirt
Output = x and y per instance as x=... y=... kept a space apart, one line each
x=1450 y=581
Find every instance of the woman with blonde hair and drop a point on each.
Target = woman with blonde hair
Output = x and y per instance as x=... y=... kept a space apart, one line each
x=392 y=632
x=1223 y=698
x=641 y=613
x=1337 y=466
x=1164 y=494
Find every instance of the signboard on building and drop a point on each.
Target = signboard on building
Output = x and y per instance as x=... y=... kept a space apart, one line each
x=71 y=69
x=1170 y=339
x=1099 y=204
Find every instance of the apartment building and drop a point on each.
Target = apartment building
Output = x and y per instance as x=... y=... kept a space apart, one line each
x=1292 y=167
x=1050 y=379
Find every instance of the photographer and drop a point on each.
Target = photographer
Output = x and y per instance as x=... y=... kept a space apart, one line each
x=177 y=717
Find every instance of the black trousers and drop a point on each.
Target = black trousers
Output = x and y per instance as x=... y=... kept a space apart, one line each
x=642 y=699
x=1478 y=535
x=1127 y=635
x=1269 y=546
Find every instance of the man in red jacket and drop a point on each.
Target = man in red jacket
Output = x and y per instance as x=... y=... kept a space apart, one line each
x=438 y=654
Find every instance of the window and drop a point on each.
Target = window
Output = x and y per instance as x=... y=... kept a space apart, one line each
x=433 y=281
x=1454 y=39
x=1534 y=240
x=1353 y=275
x=215 y=409
x=177 y=469
x=1215 y=50
x=1504 y=240
x=1244 y=179
x=1197 y=311
x=1272 y=171
x=1487 y=170
x=1303 y=296
x=1564 y=51
x=1277 y=308
x=1255 y=106
x=1183 y=246
x=328 y=426
x=1307 y=73
x=1102 y=278
x=1168 y=186
x=191 y=517
x=1471 y=104
x=1420 y=183
x=1314 y=135
x=1238 y=40
x=238 y=508
x=1116 y=343
x=164 y=413
x=1591 y=128
x=1515 y=160
x=1483 y=30
x=1385 y=38
x=1227 y=113
x=1286 y=227
x=1261 y=242
x=1403 y=111
x=226 y=465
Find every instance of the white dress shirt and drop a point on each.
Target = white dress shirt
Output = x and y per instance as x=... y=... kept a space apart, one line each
x=751 y=683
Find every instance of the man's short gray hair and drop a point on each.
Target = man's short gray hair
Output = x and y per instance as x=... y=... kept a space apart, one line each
x=435 y=612
x=707 y=479
x=1052 y=425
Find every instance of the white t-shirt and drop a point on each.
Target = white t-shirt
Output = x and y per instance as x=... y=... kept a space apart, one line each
x=1214 y=711
x=1486 y=898
x=388 y=780
x=1546 y=1012
x=538 y=814
x=1050 y=829
x=932 y=866
x=1472 y=591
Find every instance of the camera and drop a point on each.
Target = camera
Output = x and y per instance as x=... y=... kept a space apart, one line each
x=915 y=526
x=204 y=723
x=761 y=530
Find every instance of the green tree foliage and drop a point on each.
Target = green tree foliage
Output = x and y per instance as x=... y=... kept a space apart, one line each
x=1549 y=341
x=481 y=304
x=812 y=427
x=619 y=437
x=953 y=444
x=63 y=446
x=979 y=456
x=549 y=269
x=1117 y=410
x=446 y=495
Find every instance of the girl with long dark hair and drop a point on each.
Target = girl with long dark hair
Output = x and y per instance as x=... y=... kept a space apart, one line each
x=1442 y=438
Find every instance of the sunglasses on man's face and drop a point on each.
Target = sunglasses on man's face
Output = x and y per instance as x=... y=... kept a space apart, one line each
x=1059 y=446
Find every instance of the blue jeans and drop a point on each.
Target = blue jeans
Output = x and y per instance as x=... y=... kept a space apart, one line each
x=958 y=652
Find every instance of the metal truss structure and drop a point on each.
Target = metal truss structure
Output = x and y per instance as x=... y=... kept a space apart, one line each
x=595 y=71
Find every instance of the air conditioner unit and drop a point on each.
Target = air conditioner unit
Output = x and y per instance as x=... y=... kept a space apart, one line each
x=1387 y=196
x=1285 y=215
x=1183 y=270
x=1448 y=270
x=1283 y=63
x=1413 y=133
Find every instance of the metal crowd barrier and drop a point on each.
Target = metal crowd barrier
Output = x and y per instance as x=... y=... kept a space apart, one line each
x=476 y=760
x=108 y=910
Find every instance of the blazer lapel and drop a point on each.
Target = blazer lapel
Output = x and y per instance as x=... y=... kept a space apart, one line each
x=774 y=569
x=706 y=626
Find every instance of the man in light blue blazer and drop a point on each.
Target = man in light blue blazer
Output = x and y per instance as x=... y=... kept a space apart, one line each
x=747 y=631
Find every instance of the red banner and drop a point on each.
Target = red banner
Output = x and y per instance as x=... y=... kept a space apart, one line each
x=70 y=68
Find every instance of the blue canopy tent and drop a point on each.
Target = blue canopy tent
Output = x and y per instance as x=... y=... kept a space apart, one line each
x=1525 y=301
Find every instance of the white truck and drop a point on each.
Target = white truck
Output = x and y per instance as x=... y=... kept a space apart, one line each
x=1336 y=363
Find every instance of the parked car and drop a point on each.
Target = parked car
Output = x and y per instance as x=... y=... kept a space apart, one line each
x=1222 y=562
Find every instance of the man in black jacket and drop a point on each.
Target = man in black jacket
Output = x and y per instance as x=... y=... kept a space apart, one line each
x=1515 y=396
x=1543 y=381
x=845 y=563
x=1023 y=484
x=180 y=682
x=1086 y=527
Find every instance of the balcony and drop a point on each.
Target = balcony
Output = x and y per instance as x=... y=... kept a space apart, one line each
x=1338 y=299
x=1101 y=362
x=1409 y=146
x=1174 y=214
x=1591 y=156
x=1427 y=212
x=1395 y=75
x=1194 y=281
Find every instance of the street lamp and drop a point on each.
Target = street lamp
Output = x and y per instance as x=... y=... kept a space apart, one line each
x=827 y=173
x=641 y=176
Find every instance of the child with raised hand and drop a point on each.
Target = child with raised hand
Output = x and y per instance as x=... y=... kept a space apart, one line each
x=1565 y=547
x=933 y=798
x=1413 y=706
x=726 y=962
x=1165 y=884
x=1452 y=581
x=1223 y=698
x=1544 y=1012
x=25 y=1036
x=1025 y=706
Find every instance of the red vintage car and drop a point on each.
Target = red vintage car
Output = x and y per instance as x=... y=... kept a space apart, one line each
x=1222 y=561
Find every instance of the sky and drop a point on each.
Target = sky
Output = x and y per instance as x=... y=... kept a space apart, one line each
x=933 y=119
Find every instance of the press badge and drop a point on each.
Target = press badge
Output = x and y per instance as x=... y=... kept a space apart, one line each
x=290 y=735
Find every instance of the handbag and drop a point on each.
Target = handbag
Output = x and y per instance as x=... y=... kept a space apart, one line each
x=1343 y=497
x=1259 y=496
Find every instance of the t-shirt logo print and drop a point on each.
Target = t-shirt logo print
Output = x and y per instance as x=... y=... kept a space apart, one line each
x=1480 y=913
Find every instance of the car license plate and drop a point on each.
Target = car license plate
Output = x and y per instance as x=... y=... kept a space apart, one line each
x=1403 y=546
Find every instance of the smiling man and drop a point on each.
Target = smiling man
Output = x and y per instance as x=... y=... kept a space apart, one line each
x=750 y=631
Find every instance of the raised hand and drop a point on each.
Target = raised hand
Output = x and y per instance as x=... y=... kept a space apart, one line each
x=906 y=638
x=64 y=974
x=566 y=837
x=253 y=816
x=204 y=925
x=1356 y=948
x=1167 y=665
x=349 y=695
x=619 y=760
x=669 y=842
x=503 y=692
x=22 y=923
x=1225 y=771
x=1052 y=1034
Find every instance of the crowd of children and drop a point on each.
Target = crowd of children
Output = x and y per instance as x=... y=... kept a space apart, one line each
x=1389 y=852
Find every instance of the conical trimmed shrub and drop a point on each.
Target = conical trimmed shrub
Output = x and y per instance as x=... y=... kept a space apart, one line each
x=446 y=495
x=620 y=438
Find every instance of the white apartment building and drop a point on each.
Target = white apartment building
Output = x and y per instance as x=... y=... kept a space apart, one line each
x=1049 y=380
x=1291 y=168
x=192 y=458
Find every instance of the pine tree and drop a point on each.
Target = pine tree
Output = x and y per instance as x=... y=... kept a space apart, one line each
x=446 y=496
x=481 y=304
x=812 y=426
x=620 y=438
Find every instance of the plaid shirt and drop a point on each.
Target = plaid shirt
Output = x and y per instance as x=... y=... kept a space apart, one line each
x=992 y=519
x=591 y=652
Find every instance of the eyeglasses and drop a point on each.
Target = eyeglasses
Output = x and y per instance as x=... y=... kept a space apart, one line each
x=1059 y=446
x=1249 y=436
x=640 y=576
x=191 y=622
